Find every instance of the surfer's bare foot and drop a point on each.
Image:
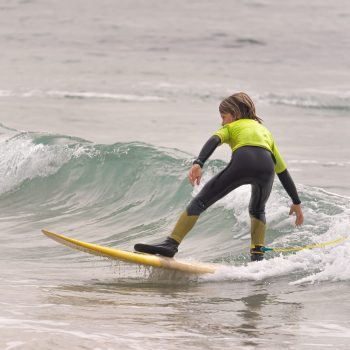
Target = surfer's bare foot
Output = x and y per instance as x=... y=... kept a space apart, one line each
x=167 y=248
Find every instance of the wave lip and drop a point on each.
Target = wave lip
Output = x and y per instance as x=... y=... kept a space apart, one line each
x=22 y=158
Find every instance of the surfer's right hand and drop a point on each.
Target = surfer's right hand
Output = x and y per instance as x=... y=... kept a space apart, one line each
x=195 y=174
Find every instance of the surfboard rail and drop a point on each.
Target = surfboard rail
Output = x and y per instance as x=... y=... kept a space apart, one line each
x=132 y=257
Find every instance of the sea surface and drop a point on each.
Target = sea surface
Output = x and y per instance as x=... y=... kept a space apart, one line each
x=103 y=106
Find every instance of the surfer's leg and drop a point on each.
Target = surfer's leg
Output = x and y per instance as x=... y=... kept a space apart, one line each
x=216 y=188
x=259 y=197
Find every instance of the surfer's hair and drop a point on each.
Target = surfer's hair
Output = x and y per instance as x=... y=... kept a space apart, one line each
x=240 y=106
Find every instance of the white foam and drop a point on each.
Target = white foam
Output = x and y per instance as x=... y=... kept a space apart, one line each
x=21 y=159
x=330 y=263
x=82 y=94
x=333 y=264
x=52 y=327
x=257 y=271
x=6 y=93
x=13 y=344
x=316 y=162
x=308 y=99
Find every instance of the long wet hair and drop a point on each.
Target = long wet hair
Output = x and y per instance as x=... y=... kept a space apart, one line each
x=240 y=106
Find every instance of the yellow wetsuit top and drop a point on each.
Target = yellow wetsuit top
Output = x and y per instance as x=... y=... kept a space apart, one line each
x=248 y=132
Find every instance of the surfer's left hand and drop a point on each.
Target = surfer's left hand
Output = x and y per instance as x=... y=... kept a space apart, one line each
x=296 y=208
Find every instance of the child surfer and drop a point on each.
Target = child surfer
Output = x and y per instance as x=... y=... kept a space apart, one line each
x=255 y=160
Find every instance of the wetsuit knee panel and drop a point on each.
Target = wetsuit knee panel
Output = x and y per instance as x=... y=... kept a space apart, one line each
x=258 y=214
x=196 y=207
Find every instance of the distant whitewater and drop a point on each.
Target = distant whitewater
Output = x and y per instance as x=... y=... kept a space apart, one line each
x=310 y=98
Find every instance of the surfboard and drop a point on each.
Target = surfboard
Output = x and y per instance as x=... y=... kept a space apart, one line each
x=131 y=257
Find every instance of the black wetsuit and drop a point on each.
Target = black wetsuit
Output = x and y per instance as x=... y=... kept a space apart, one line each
x=248 y=165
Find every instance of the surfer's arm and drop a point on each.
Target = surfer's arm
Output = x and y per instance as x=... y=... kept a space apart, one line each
x=195 y=173
x=288 y=184
x=207 y=150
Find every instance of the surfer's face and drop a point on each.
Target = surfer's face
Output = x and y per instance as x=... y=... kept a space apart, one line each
x=226 y=118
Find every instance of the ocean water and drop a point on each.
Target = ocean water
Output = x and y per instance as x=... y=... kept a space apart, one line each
x=103 y=107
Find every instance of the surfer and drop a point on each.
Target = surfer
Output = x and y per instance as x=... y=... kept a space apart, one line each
x=255 y=159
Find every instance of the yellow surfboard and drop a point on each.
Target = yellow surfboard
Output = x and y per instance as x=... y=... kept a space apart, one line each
x=132 y=257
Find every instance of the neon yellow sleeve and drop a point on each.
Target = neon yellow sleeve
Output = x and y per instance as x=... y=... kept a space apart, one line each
x=224 y=134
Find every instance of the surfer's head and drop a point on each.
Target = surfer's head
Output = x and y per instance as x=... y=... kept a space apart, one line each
x=237 y=106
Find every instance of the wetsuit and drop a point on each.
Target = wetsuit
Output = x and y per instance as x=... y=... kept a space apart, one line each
x=255 y=159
